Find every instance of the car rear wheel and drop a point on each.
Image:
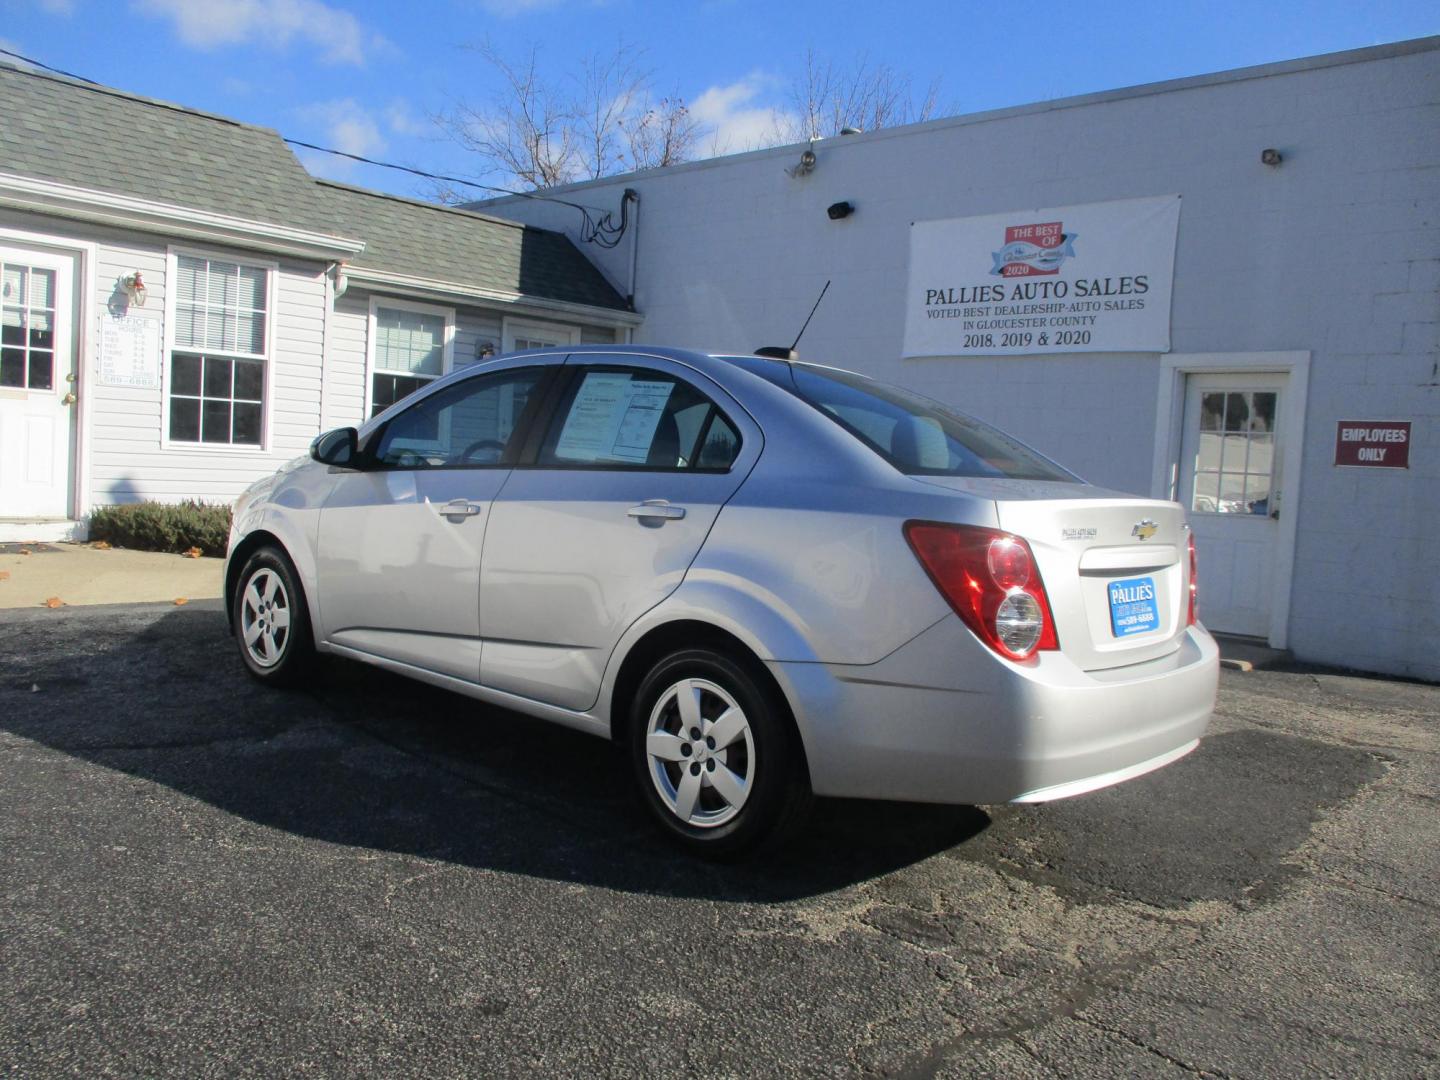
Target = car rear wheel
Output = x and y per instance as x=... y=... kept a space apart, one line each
x=272 y=623
x=715 y=754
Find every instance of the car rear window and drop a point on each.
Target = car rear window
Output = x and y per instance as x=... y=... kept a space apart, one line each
x=917 y=435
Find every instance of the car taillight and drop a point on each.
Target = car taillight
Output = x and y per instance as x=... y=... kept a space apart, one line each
x=1190 y=618
x=991 y=580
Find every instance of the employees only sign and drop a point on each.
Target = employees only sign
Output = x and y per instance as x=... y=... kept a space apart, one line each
x=1373 y=444
x=1090 y=278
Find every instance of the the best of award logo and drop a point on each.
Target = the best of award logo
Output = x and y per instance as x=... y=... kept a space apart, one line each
x=1033 y=250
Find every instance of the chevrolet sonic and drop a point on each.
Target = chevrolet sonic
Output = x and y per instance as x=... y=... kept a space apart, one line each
x=765 y=579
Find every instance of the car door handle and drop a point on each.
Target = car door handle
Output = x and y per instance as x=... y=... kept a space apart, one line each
x=656 y=510
x=460 y=508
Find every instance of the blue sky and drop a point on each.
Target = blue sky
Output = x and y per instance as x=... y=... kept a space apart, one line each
x=367 y=76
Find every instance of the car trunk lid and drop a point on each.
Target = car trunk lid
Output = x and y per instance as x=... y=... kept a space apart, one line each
x=1115 y=566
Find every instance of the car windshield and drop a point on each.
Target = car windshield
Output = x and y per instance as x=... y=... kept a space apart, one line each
x=915 y=434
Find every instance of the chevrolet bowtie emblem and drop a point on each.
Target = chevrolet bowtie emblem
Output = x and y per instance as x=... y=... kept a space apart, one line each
x=1145 y=529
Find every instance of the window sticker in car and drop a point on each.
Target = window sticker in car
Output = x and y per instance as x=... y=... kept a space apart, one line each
x=613 y=418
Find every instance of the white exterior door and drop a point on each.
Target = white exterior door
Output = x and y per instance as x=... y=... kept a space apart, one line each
x=37 y=366
x=1231 y=487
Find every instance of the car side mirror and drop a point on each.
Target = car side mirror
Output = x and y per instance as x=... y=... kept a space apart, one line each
x=339 y=448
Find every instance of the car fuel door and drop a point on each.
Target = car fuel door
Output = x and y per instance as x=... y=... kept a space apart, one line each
x=400 y=540
x=602 y=521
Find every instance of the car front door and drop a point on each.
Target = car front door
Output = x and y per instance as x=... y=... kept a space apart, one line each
x=601 y=519
x=399 y=545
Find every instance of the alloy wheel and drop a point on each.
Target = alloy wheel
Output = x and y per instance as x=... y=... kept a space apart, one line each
x=265 y=617
x=701 y=752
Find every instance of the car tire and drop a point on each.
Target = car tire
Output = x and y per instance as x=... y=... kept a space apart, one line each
x=716 y=755
x=272 y=621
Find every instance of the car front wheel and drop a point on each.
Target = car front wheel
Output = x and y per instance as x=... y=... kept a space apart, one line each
x=716 y=755
x=272 y=624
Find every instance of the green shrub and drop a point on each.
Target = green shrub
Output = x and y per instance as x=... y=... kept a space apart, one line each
x=155 y=526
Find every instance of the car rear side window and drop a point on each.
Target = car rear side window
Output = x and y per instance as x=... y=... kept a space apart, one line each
x=638 y=419
x=918 y=436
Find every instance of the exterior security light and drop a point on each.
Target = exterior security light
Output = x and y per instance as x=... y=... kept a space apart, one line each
x=840 y=210
x=805 y=166
x=1271 y=156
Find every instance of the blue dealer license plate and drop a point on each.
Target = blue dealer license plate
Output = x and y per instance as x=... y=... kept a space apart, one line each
x=1132 y=606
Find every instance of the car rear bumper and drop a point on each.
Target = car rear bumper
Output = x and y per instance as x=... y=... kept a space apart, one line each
x=944 y=720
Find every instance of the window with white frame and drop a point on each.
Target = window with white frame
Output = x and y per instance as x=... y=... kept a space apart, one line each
x=219 y=350
x=409 y=351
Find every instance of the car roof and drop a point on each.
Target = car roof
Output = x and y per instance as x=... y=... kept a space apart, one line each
x=711 y=363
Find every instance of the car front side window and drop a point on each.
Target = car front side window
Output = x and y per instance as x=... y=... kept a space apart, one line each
x=473 y=423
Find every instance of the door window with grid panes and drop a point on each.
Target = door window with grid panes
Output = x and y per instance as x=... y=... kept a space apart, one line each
x=1235 y=462
x=27 y=327
x=219 y=352
x=409 y=352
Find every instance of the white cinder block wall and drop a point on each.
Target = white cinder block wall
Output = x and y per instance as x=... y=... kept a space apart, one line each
x=1334 y=252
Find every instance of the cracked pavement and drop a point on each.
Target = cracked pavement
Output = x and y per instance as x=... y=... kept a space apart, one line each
x=374 y=878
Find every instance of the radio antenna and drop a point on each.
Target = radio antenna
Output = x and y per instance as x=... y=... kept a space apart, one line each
x=776 y=352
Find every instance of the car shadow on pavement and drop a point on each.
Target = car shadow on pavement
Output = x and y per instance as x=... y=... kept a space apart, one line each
x=378 y=762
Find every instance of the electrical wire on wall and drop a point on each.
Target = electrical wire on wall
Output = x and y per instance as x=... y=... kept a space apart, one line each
x=597 y=226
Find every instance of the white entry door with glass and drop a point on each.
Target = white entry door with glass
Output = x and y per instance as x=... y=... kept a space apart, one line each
x=1230 y=483
x=37 y=384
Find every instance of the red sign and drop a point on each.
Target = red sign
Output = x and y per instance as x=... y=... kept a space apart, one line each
x=1033 y=249
x=1373 y=444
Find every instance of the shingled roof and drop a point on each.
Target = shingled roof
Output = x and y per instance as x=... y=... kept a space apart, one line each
x=100 y=139
x=442 y=243
x=106 y=140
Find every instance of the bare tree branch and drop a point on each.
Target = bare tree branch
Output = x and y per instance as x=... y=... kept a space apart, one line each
x=664 y=134
x=826 y=99
x=599 y=121
x=604 y=118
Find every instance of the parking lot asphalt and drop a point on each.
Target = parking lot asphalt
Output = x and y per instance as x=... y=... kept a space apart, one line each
x=199 y=876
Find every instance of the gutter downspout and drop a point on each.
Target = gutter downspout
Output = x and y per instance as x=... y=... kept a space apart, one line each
x=634 y=197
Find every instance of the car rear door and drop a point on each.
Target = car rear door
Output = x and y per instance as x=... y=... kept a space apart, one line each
x=602 y=517
x=399 y=544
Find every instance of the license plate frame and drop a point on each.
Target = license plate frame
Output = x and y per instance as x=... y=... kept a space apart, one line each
x=1133 y=607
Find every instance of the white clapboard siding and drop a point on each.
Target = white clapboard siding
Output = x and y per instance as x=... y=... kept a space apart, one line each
x=345 y=360
x=316 y=377
x=128 y=461
x=597 y=335
x=472 y=327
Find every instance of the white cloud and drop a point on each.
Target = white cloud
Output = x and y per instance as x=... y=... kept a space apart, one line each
x=402 y=121
x=345 y=125
x=338 y=34
x=735 y=116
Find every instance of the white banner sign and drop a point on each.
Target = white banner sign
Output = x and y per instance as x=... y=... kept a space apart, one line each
x=1091 y=278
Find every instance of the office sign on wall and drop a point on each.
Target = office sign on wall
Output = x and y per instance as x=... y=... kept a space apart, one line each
x=1089 y=278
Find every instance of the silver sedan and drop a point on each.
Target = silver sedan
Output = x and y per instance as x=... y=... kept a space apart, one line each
x=766 y=579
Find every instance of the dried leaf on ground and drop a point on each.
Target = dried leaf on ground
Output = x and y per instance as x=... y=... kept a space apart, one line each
x=181 y=601
x=193 y=553
x=101 y=545
x=54 y=601
x=4 y=575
